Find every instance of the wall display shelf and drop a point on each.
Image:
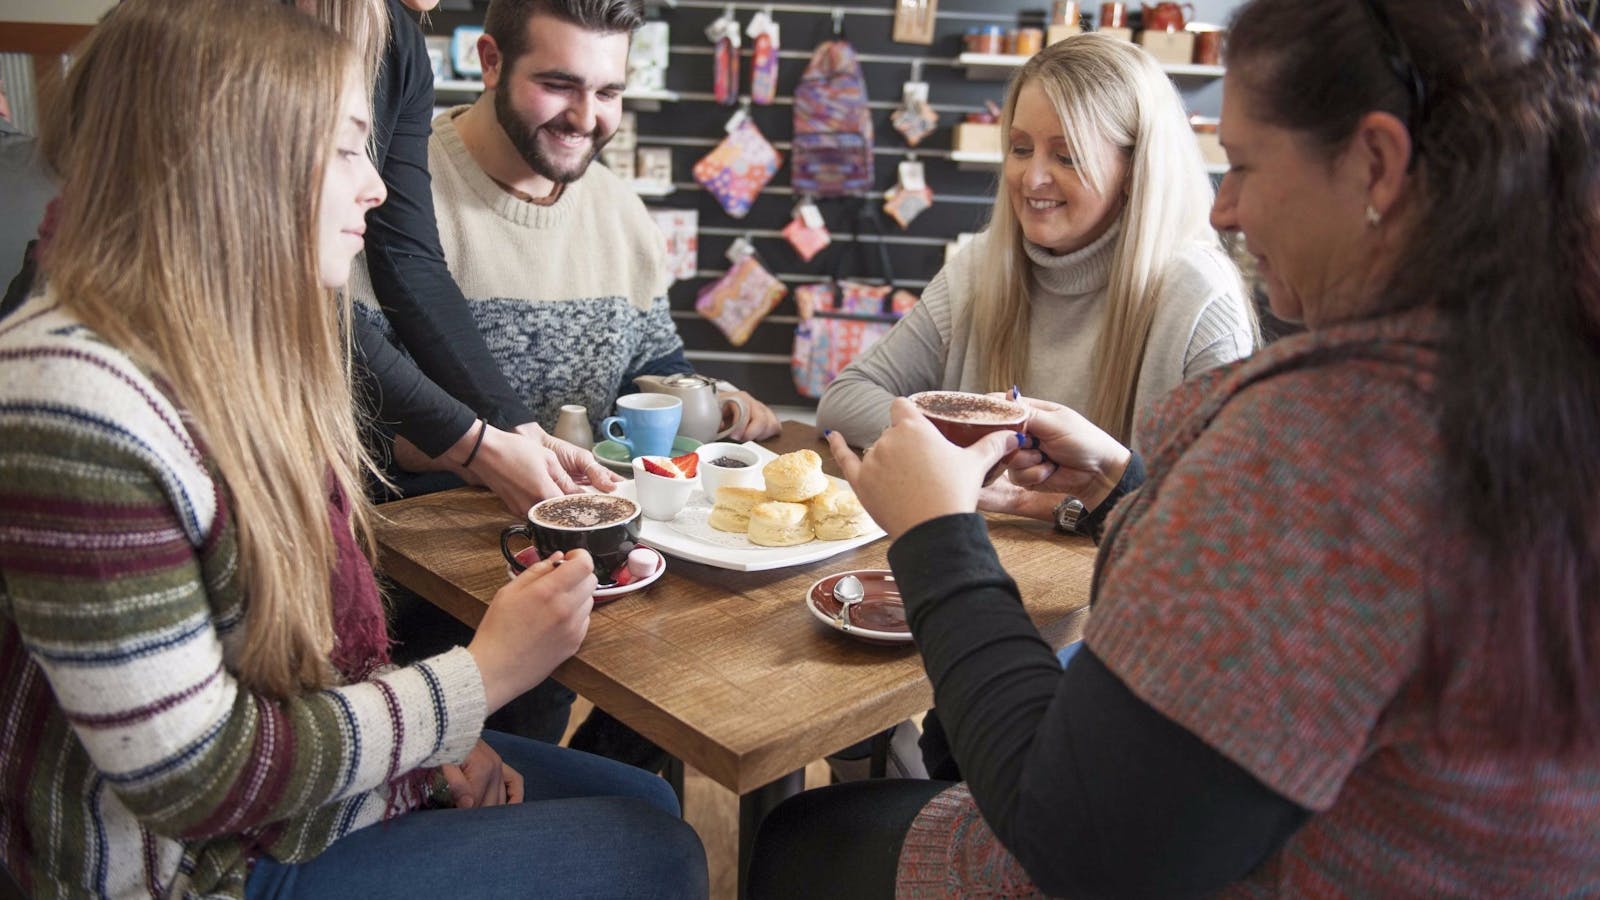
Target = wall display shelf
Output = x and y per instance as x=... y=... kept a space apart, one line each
x=652 y=189
x=999 y=66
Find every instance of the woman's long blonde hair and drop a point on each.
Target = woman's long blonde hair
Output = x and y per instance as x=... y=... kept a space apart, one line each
x=1100 y=87
x=191 y=136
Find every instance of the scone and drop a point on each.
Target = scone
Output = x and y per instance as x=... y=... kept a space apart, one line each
x=730 y=509
x=778 y=524
x=795 y=477
x=838 y=516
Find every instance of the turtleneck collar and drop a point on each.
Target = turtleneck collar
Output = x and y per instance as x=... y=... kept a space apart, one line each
x=1083 y=271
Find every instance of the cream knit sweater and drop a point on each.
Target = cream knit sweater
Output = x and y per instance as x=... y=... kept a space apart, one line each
x=571 y=297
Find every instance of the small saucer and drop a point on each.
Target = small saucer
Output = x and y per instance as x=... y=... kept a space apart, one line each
x=880 y=617
x=605 y=594
x=615 y=457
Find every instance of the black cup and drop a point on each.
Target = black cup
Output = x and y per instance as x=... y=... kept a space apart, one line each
x=580 y=522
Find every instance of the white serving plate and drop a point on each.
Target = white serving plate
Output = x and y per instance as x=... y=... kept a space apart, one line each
x=687 y=536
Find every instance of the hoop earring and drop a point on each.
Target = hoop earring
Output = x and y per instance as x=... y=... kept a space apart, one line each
x=1374 y=218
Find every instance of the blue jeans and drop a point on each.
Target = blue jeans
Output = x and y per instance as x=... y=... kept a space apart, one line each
x=587 y=827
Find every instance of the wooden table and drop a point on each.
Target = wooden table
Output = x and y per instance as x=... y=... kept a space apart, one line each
x=728 y=671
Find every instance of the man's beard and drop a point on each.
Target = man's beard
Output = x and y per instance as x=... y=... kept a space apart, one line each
x=526 y=141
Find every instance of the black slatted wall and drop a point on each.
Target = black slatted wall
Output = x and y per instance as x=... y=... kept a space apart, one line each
x=693 y=124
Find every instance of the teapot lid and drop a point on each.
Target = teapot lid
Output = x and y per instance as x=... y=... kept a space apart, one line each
x=689 y=380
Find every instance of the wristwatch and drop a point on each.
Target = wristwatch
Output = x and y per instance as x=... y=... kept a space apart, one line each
x=1068 y=514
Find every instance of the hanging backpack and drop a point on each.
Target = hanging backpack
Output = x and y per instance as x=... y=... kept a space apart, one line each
x=832 y=125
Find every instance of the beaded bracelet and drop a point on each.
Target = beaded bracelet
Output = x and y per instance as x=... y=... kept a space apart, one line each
x=473 y=453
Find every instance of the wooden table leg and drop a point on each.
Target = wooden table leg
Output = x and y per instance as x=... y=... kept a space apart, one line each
x=754 y=806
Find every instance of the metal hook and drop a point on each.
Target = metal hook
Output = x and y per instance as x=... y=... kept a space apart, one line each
x=838 y=20
x=916 y=69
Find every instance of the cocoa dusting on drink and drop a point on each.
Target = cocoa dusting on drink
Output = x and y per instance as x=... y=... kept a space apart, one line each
x=585 y=511
x=728 y=462
x=973 y=408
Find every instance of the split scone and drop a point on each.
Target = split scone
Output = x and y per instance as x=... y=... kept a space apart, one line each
x=837 y=516
x=795 y=477
x=779 y=524
x=730 y=508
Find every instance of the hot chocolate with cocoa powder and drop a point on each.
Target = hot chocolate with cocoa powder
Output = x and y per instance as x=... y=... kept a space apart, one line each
x=606 y=526
x=963 y=418
x=975 y=409
x=581 y=511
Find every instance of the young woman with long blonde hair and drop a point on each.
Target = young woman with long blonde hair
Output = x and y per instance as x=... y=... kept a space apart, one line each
x=193 y=655
x=1098 y=283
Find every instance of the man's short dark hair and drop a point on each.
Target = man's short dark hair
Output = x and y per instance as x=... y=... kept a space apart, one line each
x=507 y=20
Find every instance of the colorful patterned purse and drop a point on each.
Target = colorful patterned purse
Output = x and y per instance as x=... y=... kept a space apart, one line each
x=737 y=169
x=738 y=301
x=840 y=319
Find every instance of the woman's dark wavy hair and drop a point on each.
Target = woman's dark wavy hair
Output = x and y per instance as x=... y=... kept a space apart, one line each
x=1506 y=245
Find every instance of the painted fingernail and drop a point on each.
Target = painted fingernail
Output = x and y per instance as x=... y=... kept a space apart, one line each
x=826 y=432
x=1015 y=393
x=1022 y=440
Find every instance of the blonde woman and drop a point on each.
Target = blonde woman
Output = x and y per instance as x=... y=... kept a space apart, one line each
x=1099 y=283
x=192 y=652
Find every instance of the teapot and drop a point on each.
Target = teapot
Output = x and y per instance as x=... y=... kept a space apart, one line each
x=702 y=409
x=1166 y=16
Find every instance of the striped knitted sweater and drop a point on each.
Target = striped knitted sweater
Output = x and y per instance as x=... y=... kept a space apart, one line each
x=132 y=763
x=571 y=297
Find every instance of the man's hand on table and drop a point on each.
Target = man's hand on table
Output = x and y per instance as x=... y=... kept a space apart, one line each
x=482 y=779
x=762 y=424
x=912 y=474
x=533 y=624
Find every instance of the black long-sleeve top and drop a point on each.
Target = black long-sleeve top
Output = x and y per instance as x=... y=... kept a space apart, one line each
x=1093 y=791
x=433 y=397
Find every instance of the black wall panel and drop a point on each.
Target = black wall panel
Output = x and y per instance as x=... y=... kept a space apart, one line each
x=694 y=123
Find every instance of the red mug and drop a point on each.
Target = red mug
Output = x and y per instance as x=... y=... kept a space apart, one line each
x=1113 y=15
x=1166 y=16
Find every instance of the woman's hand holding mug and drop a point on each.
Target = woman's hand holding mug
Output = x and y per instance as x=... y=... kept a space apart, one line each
x=913 y=474
x=1067 y=454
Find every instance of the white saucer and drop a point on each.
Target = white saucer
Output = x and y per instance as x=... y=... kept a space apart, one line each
x=611 y=593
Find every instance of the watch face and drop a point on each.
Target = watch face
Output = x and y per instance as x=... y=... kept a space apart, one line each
x=1068 y=512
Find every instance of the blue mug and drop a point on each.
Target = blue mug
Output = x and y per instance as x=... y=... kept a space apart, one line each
x=649 y=422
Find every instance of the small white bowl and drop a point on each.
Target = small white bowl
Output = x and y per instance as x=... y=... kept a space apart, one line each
x=661 y=497
x=713 y=476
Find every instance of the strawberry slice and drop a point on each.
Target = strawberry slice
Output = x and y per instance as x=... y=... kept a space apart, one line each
x=688 y=464
x=623 y=577
x=665 y=470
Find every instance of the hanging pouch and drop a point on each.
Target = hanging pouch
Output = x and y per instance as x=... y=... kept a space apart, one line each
x=738 y=301
x=763 y=59
x=807 y=233
x=737 y=169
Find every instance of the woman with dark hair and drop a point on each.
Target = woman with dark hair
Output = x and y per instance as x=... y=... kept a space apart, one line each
x=1345 y=638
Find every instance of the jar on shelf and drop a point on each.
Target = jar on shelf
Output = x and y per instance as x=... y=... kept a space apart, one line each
x=1064 y=12
x=1028 y=41
x=972 y=40
x=991 y=40
x=1008 y=42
